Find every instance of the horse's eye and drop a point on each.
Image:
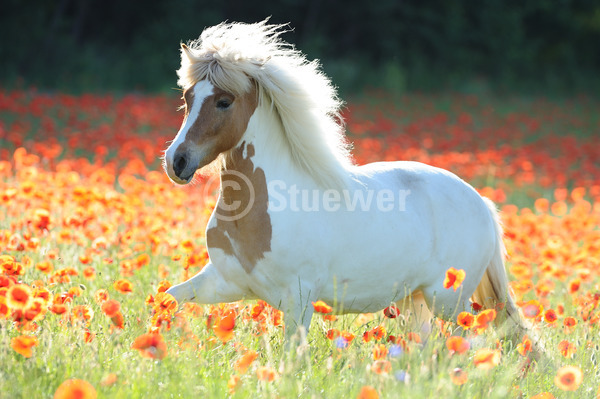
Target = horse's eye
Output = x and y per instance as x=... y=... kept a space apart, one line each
x=223 y=104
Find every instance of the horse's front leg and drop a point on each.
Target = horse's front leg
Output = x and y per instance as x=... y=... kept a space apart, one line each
x=207 y=287
x=298 y=310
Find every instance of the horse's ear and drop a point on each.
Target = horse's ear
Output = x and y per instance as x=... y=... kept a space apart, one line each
x=185 y=50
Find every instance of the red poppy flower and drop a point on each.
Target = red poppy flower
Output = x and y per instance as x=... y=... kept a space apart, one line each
x=368 y=392
x=151 y=345
x=466 y=320
x=454 y=278
x=224 y=326
x=242 y=364
x=75 y=388
x=23 y=344
x=456 y=344
x=391 y=312
x=322 y=307
x=568 y=378
x=487 y=358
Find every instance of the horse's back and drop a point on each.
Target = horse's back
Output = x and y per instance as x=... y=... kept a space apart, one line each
x=454 y=218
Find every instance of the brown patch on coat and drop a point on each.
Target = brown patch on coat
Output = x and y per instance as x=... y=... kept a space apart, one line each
x=248 y=237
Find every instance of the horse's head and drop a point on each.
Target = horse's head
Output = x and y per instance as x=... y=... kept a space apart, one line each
x=214 y=122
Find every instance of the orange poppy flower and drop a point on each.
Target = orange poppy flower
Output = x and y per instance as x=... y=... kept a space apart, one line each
x=458 y=376
x=58 y=308
x=7 y=263
x=368 y=392
x=123 y=286
x=541 y=205
x=163 y=286
x=376 y=333
x=550 y=316
x=35 y=311
x=18 y=296
x=4 y=310
x=413 y=337
x=118 y=320
x=42 y=293
x=532 y=309
x=23 y=344
x=574 y=285
x=566 y=348
x=109 y=380
x=322 y=307
x=487 y=358
x=454 y=278
x=456 y=344
x=89 y=273
x=276 y=317
x=100 y=296
x=483 y=319
x=233 y=384
x=45 y=267
x=569 y=322
x=187 y=245
x=543 y=395
x=88 y=336
x=242 y=364
x=380 y=351
x=266 y=373
x=41 y=219
x=524 y=346
x=568 y=378
x=84 y=259
x=333 y=333
x=257 y=310
x=75 y=388
x=348 y=337
x=142 y=260
x=111 y=307
x=329 y=317
x=75 y=291
x=381 y=366
x=164 y=304
x=224 y=326
x=151 y=345
x=466 y=320
x=83 y=312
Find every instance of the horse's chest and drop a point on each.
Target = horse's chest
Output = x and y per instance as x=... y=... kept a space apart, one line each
x=241 y=225
x=248 y=242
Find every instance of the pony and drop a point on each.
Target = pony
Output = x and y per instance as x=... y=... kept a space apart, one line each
x=296 y=221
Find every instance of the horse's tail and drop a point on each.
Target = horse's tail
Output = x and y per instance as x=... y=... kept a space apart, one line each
x=494 y=290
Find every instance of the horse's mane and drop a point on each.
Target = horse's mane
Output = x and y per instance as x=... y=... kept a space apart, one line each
x=233 y=55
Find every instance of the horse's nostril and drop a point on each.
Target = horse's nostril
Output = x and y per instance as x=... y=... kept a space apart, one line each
x=179 y=164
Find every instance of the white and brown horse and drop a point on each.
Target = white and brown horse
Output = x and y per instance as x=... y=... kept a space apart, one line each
x=296 y=221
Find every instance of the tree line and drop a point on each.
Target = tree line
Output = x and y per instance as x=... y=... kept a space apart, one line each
x=397 y=44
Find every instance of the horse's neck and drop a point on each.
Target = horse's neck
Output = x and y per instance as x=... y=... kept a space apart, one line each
x=264 y=146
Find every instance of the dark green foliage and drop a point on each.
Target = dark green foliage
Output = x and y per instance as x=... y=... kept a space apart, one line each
x=466 y=45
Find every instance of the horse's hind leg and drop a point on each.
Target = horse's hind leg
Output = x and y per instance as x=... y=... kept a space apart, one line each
x=447 y=303
x=416 y=313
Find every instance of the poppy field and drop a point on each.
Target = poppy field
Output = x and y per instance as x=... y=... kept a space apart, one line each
x=92 y=234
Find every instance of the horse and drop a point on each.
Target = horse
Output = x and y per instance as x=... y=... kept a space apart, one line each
x=296 y=221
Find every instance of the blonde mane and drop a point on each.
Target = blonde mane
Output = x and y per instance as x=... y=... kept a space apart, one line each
x=232 y=56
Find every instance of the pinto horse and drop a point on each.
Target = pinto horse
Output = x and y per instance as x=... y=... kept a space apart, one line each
x=296 y=221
